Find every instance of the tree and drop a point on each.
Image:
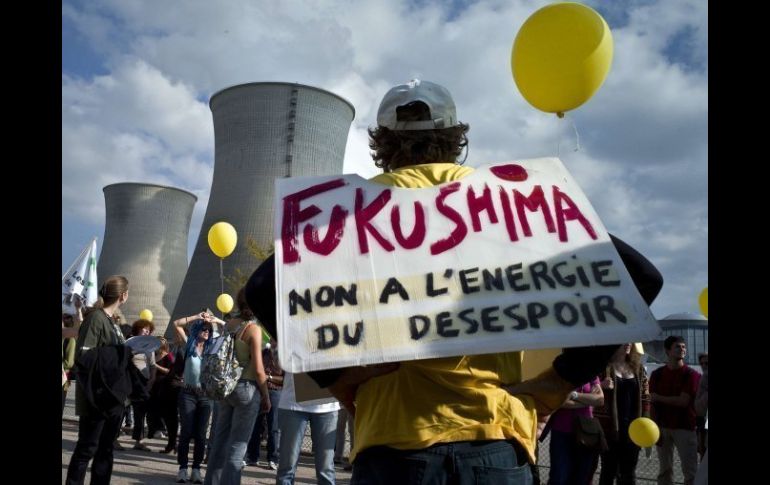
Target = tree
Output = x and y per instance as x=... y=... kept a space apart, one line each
x=238 y=278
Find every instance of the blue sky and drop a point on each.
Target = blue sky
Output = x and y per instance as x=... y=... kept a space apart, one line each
x=137 y=77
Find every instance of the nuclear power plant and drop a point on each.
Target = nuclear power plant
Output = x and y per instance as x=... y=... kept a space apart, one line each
x=262 y=131
x=145 y=240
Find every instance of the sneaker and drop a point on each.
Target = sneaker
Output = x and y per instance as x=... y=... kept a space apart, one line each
x=196 y=476
x=273 y=465
x=181 y=477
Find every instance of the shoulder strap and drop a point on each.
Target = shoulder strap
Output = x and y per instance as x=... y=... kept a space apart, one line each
x=242 y=329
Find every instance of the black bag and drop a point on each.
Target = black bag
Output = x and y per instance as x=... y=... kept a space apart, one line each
x=589 y=434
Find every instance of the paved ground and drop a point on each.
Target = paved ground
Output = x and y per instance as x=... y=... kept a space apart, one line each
x=139 y=467
x=153 y=468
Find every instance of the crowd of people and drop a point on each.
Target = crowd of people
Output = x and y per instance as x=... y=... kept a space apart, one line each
x=475 y=420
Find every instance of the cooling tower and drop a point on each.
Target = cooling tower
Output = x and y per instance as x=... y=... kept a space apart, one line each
x=145 y=240
x=261 y=131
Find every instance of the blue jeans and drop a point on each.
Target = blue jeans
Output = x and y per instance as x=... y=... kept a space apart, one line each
x=571 y=463
x=273 y=431
x=323 y=431
x=237 y=413
x=194 y=413
x=479 y=462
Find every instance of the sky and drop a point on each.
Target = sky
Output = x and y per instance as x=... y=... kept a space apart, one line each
x=137 y=77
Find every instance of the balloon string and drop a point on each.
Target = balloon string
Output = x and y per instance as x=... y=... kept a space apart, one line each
x=577 y=135
x=221 y=281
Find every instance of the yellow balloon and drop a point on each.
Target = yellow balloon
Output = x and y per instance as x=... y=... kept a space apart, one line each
x=145 y=315
x=703 y=301
x=643 y=432
x=561 y=56
x=222 y=239
x=224 y=302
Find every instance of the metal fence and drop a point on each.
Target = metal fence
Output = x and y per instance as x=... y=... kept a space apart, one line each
x=646 y=469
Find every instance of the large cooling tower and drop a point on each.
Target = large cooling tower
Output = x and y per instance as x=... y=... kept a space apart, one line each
x=145 y=240
x=261 y=131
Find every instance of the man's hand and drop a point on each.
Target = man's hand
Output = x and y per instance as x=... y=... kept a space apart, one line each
x=344 y=388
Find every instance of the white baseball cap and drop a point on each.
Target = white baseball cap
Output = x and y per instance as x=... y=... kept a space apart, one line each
x=436 y=97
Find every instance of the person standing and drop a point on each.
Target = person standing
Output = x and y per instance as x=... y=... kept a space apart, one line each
x=145 y=362
x=194 y=405
x=238 y=411
x=344 y=422
x=270 y=419
x=701 y=405
x=702 y=409
x=98 y=428
x=626 y=397
x=473 y=411
x=571 y=462
x=68 y=346
x=672 y=390
x=293 y=418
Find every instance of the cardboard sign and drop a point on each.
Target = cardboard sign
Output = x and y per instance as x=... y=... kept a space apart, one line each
x=510 y=257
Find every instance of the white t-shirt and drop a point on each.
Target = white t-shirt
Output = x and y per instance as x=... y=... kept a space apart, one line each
x=289 y=401
x=144 y=362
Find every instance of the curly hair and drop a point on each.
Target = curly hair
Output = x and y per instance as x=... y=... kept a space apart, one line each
x=138 y=325
x=394 y=149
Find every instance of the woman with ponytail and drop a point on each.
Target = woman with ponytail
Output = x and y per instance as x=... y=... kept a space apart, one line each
x=97 y=430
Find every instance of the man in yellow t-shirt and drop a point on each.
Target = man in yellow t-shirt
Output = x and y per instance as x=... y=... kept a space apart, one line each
x=463 y=419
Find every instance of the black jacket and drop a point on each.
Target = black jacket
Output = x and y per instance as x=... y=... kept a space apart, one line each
x=107 y=377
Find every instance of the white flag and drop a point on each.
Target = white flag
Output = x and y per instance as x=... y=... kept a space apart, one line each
x=80 y=280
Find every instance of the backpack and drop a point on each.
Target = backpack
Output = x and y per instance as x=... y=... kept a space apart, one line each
x=220 y=369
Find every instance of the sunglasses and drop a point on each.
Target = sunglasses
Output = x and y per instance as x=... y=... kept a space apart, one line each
x=206 y=329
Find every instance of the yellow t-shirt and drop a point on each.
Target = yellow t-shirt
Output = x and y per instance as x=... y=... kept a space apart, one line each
x=425 y=175
x=443 y=400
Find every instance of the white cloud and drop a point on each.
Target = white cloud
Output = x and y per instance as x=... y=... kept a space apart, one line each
x=643 y=135
x=131 y=125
